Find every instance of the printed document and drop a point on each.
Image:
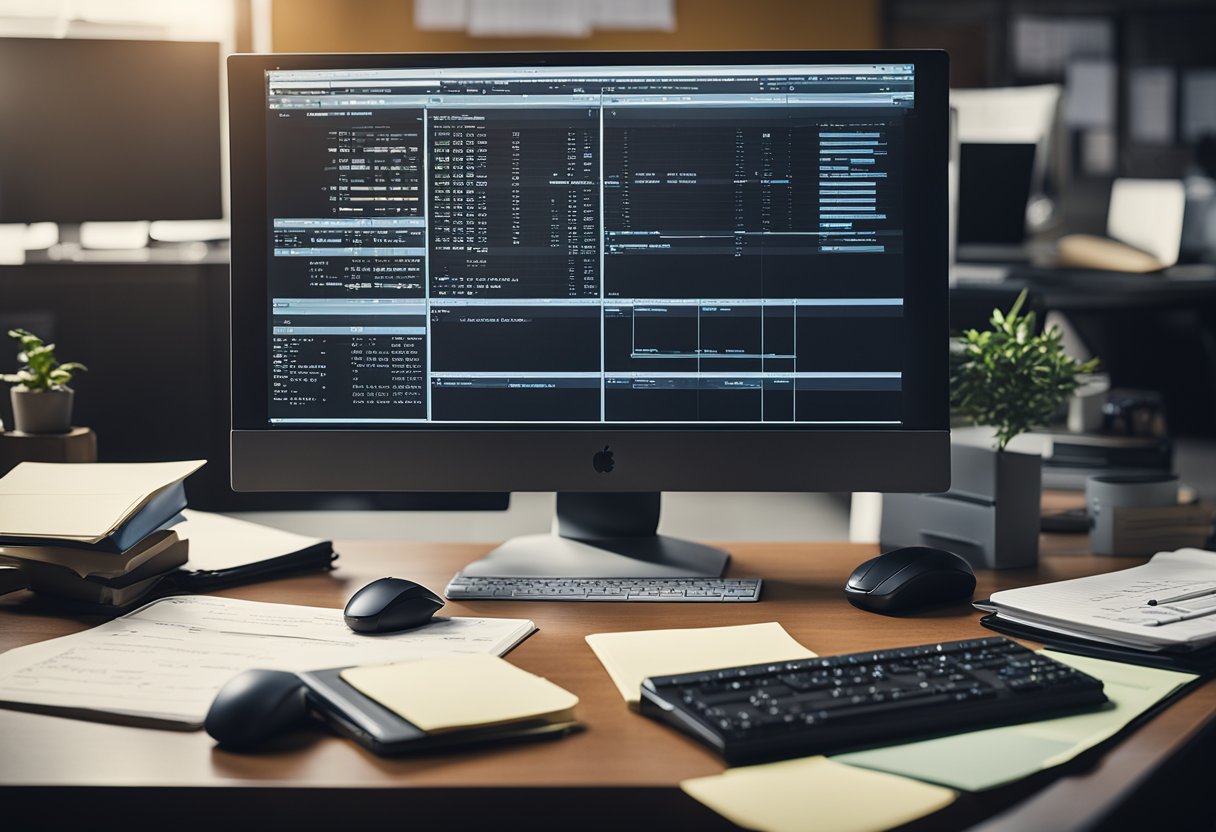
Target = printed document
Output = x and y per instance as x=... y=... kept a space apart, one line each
x=162 y=664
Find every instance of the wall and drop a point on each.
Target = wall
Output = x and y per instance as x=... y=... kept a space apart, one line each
x=388 y=26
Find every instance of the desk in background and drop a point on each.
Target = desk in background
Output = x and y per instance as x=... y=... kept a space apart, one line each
x=621 y=773
x=1150 y=331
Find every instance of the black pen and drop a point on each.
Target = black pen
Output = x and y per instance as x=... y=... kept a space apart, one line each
x=1160 y=622
x=1186 y=596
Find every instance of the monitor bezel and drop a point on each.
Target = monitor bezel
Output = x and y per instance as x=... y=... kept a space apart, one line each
x=559 y=457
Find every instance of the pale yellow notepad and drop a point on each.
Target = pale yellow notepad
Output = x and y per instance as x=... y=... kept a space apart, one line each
x=461 y=692
x=815 y=793
x=631 y=657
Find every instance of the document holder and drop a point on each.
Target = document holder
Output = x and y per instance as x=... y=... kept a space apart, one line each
x=386 y=734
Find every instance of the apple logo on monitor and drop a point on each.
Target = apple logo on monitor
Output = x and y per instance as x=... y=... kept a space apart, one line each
x=602 y=461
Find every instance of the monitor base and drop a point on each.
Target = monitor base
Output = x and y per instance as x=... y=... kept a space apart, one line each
x=550 y=556
x=610 y=535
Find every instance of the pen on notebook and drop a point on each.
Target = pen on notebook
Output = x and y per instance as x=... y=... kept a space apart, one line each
x=1185 y=617
x=1186 y=596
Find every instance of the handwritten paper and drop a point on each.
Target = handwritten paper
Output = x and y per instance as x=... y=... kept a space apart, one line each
x=163 y=663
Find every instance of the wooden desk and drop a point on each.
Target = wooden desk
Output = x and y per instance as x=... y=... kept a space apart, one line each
x=621 y=773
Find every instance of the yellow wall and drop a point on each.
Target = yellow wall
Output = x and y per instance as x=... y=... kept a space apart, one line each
x=388 y=26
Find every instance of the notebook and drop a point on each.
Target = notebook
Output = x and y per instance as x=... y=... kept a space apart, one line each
x=108 y=505
x=1166 y=604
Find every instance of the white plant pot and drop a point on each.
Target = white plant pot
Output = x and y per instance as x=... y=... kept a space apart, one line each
x=42 y=411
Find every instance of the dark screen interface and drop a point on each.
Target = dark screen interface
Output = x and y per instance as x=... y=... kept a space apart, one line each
x=587 y=245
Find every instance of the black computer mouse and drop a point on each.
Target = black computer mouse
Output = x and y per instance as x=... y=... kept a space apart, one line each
x=907 y=579
x=254 y=706
x=389 y=605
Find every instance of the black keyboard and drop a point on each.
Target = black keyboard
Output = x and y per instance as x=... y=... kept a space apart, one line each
x=816 y=706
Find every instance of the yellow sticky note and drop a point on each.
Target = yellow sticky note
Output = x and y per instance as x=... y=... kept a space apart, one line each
x=814 y=792
x=467 y=691
x=631 y=657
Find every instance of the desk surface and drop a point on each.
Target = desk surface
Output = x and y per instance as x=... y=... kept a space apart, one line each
x=621 y=764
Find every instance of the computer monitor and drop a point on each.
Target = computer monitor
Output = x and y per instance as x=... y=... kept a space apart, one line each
x=602 y=274
x=109 y=130
x=993 y=191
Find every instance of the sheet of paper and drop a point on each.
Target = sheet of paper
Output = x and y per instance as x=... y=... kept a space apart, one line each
x=66 y=516
x=1099 y=151
x=73 y=501
x=1198 y=104
x=1043 y=45
x=1150 y=109
x=815 y=793
x=218 y=542
x=96 y=477
x=983 y=759
x=1147 y=214
x=631 y=657
x=168 y=659
x=635 y=15
x=1116 y=606
x=441 y=15
x=12 y=244
x=524 y=18
x=455 y=692
x=1089 y=96
x=1006 y=115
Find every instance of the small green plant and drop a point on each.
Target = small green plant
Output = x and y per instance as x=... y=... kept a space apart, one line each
x=1011 y=379
x=41 y=371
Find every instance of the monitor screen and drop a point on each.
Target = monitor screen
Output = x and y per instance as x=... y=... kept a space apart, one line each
x=708 y=245
x=94 y=129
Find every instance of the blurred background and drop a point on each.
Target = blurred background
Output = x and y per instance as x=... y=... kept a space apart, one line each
x=1082 y=171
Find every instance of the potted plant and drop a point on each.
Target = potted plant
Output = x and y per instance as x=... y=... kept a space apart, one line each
x=1009 y=379
x=42 y=401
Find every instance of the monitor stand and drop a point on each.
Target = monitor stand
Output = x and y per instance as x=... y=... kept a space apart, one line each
x=602 y=535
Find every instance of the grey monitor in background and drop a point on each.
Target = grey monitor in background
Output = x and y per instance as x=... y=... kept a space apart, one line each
x=95 y=129
x=602 y=274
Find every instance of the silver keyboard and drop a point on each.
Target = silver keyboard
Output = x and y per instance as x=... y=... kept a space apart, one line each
x=463 y=587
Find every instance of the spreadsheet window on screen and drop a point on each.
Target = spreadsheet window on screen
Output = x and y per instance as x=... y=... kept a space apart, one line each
x=587 y=245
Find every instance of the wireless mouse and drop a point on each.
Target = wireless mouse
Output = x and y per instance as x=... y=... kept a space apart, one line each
x=910 y=578
x=254 y=706
x=389 y=605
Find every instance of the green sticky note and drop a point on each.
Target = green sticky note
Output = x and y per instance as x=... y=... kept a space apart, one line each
x=979 y=760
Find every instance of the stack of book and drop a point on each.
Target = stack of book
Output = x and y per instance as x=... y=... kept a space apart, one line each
x=111 y=535
x=98 y=533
